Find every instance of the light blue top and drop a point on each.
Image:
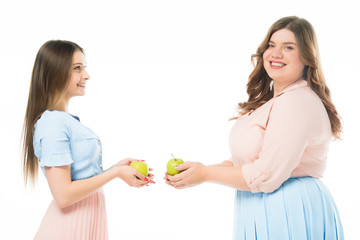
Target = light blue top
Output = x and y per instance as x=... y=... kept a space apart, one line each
x=60 y=139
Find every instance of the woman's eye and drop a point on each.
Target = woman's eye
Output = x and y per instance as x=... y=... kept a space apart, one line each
x=77 y=68
x=271 y=46
x=289 y=48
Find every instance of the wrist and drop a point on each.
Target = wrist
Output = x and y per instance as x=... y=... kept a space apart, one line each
x=206 y=173
x=115 y=171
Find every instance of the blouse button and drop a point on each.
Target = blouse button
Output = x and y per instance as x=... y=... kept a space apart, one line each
x=98 y=142
x=100 y=154
x=100 y=165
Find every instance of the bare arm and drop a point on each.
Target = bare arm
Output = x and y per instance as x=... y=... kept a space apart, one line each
x=195 y=173
x=224 y=164
x=67 y=192
x=228 y=176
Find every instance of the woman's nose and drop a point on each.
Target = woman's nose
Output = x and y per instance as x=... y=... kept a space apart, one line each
x=86 y=75
x=277 y=53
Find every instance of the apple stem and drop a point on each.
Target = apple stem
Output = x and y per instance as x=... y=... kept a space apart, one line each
x=173 y=156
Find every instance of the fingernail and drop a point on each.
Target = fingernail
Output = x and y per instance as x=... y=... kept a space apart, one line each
x=147 y=185
x=176 y=167
x=146 y=179
x=142 y=160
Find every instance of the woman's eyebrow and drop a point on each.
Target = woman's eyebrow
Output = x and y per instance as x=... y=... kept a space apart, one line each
x=285 y=43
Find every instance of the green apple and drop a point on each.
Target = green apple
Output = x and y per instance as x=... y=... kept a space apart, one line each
x=141 y=167
x=172 y=163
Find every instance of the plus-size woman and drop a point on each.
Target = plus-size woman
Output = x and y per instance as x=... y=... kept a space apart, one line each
x=279 y=143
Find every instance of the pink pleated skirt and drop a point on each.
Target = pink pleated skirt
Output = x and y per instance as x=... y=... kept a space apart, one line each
x=85 y=219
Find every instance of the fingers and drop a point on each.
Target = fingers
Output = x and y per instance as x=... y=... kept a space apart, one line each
x=137 y=174
x=177 y=181
x=178 y=185
x=141 y=182
x=150 y=178
x=189 y=176
x=184 y=166
x=166 y=179
x=126 y=162
x=178 y=177
x=134 y=178
x=144 y=181
x=129 y=160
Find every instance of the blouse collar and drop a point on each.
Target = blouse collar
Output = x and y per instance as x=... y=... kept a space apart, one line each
x=76 y=117
x=297 y=84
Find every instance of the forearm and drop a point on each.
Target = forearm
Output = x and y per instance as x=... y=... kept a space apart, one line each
x=226 y=175
x=194 y=173
x=81 y=189
x=68 y=192
x=226 y=163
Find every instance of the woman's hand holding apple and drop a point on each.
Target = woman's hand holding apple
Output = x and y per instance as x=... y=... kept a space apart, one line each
x=131 y=175
x=193 y=173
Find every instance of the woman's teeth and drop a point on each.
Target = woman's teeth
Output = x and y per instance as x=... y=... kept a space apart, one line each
x=277 y=64
x=80 y=84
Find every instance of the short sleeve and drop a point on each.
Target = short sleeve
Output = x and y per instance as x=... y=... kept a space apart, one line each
x=52 y=141
x=288 y=131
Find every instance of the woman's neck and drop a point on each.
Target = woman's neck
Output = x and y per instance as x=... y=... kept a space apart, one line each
x=61 y=106
x=280 y=86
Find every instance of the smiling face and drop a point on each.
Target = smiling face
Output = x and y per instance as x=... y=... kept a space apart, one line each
x=282 y=60
x=78 y=77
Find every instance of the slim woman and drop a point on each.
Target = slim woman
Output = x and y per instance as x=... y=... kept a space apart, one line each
x=69 y=153
x=279 y=143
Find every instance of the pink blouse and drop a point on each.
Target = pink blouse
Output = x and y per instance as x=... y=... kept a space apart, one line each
x=287 y=136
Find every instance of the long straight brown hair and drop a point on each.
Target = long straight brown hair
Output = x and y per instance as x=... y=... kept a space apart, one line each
x=258 y=86
x=49 y=80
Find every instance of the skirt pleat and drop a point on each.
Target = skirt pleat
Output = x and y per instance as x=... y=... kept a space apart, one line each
x=85 y=219
x=301 y=209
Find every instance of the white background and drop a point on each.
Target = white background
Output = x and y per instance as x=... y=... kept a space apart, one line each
x=165 y=78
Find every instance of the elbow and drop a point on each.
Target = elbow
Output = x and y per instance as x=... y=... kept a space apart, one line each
x=268 y=189
x=264 y=187
x=63 y=205
x=261 y=188
x=63 y=201
x=264 y=181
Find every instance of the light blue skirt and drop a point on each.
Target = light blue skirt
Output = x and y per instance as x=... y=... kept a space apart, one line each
x=302 y=208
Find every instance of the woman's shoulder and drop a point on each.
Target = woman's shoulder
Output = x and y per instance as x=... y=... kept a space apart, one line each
x=52 y=119
x=299 y=97
x=53 y=116
x=301 y=104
